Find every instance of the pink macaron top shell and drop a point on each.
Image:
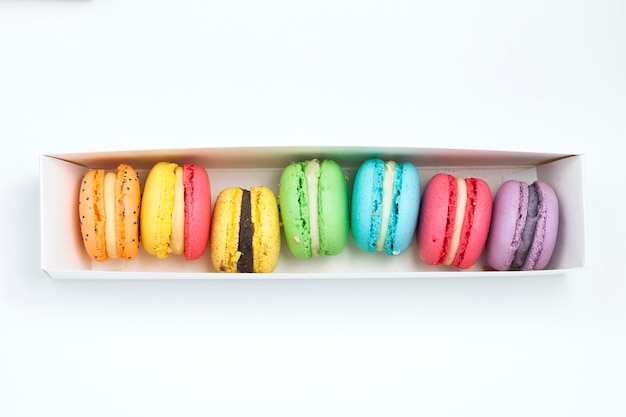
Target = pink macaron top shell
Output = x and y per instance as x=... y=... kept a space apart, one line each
x=437 y=217
x=476 y=224
x=197 y=210
x=433 y=237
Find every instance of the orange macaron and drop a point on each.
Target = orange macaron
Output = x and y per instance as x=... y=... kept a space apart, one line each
x=108 y=208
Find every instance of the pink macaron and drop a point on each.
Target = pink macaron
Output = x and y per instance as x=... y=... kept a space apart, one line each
x=197 y=210
x=524 y=226
x=454 y=219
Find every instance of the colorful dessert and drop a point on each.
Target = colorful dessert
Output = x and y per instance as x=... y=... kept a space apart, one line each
x=385 y=206
x=108 y=208
x=524 y=226
x=176 y=210
x=313 y=201
x=454 y=220
x=245 y=231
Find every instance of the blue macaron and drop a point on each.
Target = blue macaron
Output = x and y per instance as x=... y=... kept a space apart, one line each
x=385 y=206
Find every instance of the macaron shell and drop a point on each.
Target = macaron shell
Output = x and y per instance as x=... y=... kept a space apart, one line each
x=433 y=217
x=510 y=206
x=128 y=199
x=407 y=201
x=366 y=205
x=266 y=239
x=224 y=234
x=476 y=223
x=197 y=210
x=294 y=209
x=156 y=209
x=547 y=229
x=333 y=217
x=91 y=214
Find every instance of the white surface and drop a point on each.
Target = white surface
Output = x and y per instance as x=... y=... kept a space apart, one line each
x=544 y=76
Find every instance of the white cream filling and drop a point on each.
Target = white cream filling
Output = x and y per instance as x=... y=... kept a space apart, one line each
x=311 y=173
x=389 y=176
x=458 y=220
x=177 y=241
x=110 y=178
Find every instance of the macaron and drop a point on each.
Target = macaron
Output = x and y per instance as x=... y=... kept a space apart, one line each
x=455 y=214
x=108 y=209
x=385 y=206
x=245 y=231
x=524 y=226
x=314 y=209
x=176 y=210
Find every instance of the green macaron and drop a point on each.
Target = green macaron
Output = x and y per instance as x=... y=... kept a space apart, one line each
x=313 y=203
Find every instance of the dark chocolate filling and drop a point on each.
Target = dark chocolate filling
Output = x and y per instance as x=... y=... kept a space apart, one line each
x=529 y=229
x=246 y=230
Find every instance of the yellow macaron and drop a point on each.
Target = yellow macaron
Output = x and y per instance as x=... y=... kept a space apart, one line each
x=245 y=230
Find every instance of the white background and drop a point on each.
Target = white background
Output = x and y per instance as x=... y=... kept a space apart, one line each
x=112 y=75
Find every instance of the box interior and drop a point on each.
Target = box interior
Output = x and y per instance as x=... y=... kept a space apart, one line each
x=63 y=255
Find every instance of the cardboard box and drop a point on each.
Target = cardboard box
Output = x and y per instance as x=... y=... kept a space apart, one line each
x=63 y=255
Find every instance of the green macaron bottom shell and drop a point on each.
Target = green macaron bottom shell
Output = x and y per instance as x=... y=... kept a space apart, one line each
x=332 y=208
x=294 y=210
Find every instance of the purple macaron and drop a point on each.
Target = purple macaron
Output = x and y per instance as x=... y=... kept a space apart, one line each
x=524 y=226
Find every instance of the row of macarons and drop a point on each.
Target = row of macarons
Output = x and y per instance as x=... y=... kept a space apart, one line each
x=453 y=220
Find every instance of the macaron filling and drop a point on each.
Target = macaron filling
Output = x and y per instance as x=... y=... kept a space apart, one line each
x=528 y=234
x=392 y=245
x=110 y=178
x=312 y=173
x=389 y=179
x=177 y=241
x=459 y=205
x=468 y=224
x=246 y=232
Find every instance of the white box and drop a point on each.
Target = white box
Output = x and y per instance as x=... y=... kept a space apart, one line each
x=63 y=255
